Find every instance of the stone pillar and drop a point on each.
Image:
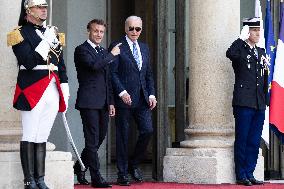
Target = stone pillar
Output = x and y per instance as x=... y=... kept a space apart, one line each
x=58 y=164
x=9 y=119
x=207 y=153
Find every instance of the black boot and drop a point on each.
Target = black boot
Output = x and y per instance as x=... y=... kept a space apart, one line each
x=27 y=161
x=80 y=174
x=40 y=153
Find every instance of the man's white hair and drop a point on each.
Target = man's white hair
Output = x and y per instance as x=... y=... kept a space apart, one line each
x=132 y=18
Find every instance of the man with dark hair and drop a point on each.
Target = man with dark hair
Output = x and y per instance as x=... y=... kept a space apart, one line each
x=249 y=99
x=94 y=98
x=96 y=21
x=42 y=89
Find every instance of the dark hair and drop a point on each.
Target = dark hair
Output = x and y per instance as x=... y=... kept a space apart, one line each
x=96 y=21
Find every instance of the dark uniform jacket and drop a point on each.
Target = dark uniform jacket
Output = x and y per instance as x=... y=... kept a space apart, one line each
x=251 y=86
x=127 y=76
x=31 y=84
x=95 y=89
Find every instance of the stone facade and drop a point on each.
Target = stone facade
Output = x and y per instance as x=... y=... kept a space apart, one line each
x=206 y=155
x=59 y=170
x=58 y=164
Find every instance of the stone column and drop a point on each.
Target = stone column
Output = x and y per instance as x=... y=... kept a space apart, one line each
x=58 y=164
x=207 y=153
x=9 y=119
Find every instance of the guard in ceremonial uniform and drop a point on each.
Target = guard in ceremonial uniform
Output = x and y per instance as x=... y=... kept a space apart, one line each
x=41 y=90
x=249 y=99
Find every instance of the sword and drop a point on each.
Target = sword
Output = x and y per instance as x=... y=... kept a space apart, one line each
x=83 y=168
x=50 y=12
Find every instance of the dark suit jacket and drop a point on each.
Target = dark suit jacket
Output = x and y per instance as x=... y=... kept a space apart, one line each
x=95 y=90
x=251 y=85
x=126 y=75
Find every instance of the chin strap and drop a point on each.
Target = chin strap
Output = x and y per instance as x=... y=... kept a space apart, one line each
x=35 y=15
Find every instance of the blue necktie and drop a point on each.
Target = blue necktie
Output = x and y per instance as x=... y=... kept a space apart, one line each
x=255 y=52
x=135 y=55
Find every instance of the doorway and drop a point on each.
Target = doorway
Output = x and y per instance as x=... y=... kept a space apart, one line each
x=162 y=31
x=118 y=11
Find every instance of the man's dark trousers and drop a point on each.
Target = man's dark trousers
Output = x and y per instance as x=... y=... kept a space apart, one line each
x=142 y=116
x=95 y=124
x=248 y=129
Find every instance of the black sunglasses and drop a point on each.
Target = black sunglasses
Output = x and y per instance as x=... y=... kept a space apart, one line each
x=138 y=29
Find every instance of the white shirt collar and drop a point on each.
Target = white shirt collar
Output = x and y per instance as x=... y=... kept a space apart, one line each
x=250 y=45
x=92 y=44
x=130 y=43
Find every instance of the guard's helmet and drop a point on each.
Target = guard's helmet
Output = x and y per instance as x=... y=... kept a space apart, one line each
x=25 y=5
x=252 y=22
x=32 y=3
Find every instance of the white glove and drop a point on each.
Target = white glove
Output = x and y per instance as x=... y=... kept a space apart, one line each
x=65 y=90
x=49 y=39
x=43 y=49
x=244 y=33
x=49 y=36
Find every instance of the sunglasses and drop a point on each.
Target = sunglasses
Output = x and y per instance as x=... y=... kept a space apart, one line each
x=138 y=29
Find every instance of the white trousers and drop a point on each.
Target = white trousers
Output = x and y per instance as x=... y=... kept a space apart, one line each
x=38 y=122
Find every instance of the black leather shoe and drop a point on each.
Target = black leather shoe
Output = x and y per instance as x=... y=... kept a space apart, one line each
x=244 y=182
x=81 y=178
x=123 y=181
x=255 y=182
x=136 y=174
x=99 y=181
x=80 y=174
x=101 y=185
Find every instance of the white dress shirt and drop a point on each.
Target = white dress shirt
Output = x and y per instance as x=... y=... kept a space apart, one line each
x=93 y=45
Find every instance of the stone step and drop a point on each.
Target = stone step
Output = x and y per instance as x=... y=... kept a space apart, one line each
x=59 y=170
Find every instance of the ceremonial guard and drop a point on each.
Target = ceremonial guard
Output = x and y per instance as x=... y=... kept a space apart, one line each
x=41 y=90
x=249 y=99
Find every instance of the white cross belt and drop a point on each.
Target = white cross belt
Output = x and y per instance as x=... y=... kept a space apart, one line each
x=40 y=67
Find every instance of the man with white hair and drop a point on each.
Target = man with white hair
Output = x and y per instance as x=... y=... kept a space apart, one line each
x=134 y=95
x=42 y=89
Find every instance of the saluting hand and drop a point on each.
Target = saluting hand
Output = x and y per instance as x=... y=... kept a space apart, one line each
x=49 y=36
x=244 y=33
x=116 y=50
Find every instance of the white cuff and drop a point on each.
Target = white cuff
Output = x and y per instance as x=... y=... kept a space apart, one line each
x=65 y=90
x=152 y=96
x=122 y=93
x=43 y=49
